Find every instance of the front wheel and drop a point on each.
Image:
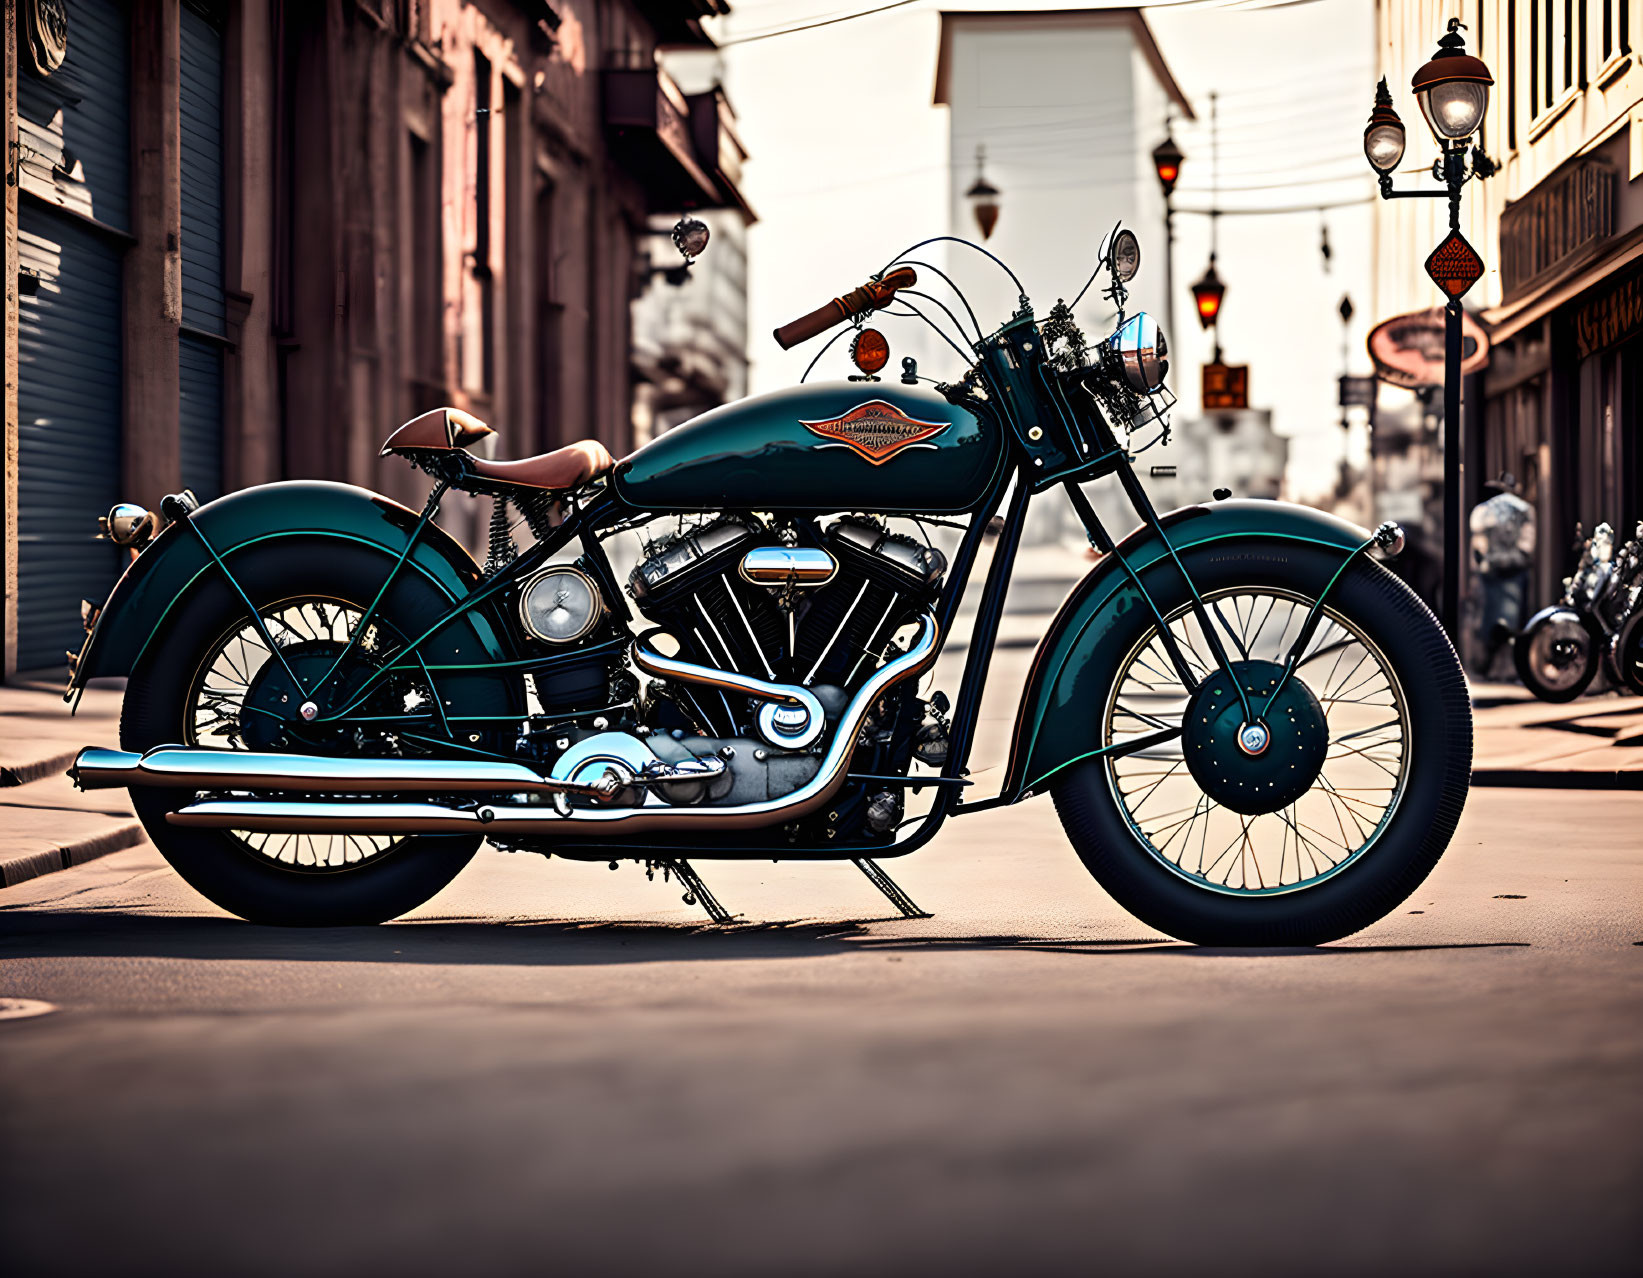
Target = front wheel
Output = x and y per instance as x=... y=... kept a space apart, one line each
x=1309 y=820
x=1556 y=654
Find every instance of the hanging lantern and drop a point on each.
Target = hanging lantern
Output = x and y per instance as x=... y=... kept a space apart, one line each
x=1207 y=294
x=983 y=197
x=1166 y=162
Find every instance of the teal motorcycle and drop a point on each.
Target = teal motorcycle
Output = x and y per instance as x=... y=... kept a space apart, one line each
x=722 y=647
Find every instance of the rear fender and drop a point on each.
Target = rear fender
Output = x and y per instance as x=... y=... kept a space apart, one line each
x=1056 y=724
x=137 y=612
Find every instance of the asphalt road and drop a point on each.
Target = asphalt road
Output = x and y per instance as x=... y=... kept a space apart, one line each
x=554 y=1068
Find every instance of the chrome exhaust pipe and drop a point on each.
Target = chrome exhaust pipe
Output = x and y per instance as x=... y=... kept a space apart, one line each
x=186 y=768
x=308 y=816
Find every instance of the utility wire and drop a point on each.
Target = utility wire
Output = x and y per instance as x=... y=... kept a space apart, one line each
x=1274 y=211
x=811 y=26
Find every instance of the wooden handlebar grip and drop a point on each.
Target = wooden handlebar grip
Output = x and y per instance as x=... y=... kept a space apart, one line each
x=807 y=326
x=869 y=297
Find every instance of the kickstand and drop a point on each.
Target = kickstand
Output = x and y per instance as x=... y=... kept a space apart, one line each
x=884 y=883
x=696 y=892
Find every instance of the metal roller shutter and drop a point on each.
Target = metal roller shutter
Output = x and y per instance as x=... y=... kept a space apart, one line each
x=200 y=410
x=74 y=128
x=68 y=410
x=199 y=416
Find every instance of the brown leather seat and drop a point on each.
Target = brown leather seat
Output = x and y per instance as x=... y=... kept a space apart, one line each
x=562 y=468
x=447 y=429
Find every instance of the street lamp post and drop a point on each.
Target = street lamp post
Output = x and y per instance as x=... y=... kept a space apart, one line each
x=1452 y=90
x=1166 y=162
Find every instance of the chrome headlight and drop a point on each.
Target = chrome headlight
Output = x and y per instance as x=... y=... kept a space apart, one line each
x=1141 y=350
x=560 y=605
x=129 y=524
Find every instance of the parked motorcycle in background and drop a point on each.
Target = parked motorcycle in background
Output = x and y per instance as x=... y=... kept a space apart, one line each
x=1626 y=648
x=1559 y=652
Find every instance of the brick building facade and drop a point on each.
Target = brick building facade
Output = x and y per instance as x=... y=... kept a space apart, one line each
x=247 y=238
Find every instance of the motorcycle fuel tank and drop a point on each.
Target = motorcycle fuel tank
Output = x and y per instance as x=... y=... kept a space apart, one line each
x=820 y=447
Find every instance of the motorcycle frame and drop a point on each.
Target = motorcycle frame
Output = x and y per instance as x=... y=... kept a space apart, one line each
x=599 y=508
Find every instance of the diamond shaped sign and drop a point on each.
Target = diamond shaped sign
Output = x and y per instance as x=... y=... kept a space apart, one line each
x=1454 y=265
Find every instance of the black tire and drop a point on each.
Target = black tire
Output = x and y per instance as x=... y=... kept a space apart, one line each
x=1415 y=833
x=1627 y=654
x=216 y=863
x=1523 y=659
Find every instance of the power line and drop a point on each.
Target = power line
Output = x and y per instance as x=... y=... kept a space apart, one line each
x=811 y=26
x=1287 y=208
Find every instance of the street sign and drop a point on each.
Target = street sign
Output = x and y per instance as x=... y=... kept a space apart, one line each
x=1454 y=265
x=1358 y=392
x=1408 y=349
x=1226 y=386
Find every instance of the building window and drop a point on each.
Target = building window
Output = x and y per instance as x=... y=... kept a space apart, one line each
x=427 y=310
x=482 y=268
x=1511 y=75
x=1552 y=41
x=1617 y=35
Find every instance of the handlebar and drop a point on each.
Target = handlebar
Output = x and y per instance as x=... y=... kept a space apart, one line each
x=871 y=296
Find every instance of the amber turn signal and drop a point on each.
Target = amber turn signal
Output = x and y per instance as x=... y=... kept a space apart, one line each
x=869 y=351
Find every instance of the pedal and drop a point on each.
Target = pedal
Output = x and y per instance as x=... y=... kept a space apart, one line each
x=892 y=891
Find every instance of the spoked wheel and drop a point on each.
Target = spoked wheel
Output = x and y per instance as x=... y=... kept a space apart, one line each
x=1284 y=808
x=242 y=697
x=1557 y=654
x=215 y=682
x=1186 y=813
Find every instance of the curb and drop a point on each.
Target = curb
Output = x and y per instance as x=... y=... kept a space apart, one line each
x=31 y=865
x=1528 y=779
x=36 y=769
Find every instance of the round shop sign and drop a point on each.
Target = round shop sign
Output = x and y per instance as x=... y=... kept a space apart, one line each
x=1408 y=349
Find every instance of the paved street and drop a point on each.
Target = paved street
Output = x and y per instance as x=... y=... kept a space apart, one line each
x=556 y=1068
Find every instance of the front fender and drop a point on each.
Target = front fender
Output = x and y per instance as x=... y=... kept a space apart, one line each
x=1054 y=727
x=136 y=612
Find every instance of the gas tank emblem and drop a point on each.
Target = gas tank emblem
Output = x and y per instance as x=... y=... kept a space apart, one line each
x=877 y=430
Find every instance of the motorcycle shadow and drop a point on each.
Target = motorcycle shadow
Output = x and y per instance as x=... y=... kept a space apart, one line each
x=560 y=942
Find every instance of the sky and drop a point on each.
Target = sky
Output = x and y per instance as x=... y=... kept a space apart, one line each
x=849 y=165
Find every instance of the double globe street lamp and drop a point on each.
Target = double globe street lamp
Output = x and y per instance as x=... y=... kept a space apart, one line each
x=1452 y=89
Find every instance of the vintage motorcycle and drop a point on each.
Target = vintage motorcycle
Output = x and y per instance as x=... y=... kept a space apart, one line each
x=1253 y=732
x=1594 y=624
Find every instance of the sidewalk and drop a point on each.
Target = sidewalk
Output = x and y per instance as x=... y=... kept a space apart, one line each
x=45 y=823
x=1592 y=743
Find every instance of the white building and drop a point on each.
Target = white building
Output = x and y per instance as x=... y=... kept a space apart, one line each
x=1236 y=451
x=1067 y=106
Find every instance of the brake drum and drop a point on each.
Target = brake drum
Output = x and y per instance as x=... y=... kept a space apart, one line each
x=1234 y=762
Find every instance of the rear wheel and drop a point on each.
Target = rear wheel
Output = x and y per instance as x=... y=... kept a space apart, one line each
x=215 y=683
x=1322 y=819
